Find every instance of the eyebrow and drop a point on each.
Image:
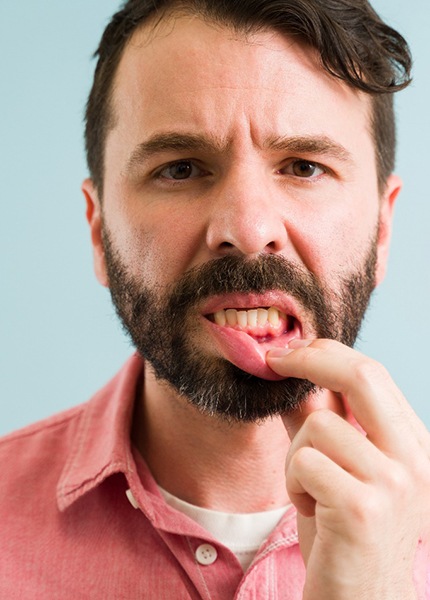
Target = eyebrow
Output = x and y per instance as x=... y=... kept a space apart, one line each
x=171 y=142
x=309 y=144
x=180 y=142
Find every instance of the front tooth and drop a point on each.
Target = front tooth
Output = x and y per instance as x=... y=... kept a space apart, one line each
x=273 y=316
x=231 y=315
x=252 y=317
x=262 y=316
x=220 y=318
x=242 y=318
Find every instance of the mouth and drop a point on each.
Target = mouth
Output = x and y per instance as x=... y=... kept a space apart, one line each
x=244 y=328
x=263 y=324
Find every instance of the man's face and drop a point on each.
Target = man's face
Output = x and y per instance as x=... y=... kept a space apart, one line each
x=240 y=209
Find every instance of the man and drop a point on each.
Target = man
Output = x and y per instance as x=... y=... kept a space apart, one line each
x=240 y=207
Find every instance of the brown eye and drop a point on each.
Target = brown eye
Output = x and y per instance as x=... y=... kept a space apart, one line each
x=304 y=169
x=183 y=169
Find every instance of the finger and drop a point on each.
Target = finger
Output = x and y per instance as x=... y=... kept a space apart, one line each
x=375 y=401
x=317 y=400
x=331 y=435
x=313 y=479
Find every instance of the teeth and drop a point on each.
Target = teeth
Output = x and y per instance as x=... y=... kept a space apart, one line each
x=231 y=315
x=220 y=318
x=273 y=316
x=252 y=318
x=262 y=316
x=242 y=318
x=256 y=317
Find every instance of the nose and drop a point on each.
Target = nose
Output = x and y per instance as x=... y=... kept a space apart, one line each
x=246 y=217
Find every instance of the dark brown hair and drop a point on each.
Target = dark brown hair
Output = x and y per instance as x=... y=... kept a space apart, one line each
x=355 y=46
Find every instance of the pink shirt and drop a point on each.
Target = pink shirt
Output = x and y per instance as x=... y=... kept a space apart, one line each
x=69 y=531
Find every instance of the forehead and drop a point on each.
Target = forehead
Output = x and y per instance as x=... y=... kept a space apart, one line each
x=186 y=74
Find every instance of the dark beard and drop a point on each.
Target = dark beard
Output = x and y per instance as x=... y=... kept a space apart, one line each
x=161 y=327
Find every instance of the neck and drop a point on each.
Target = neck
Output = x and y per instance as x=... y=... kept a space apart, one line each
x=230 y=467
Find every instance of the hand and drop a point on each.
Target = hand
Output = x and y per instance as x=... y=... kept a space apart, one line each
x=358 y=473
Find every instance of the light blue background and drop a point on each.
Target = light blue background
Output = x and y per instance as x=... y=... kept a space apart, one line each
x=59 y=337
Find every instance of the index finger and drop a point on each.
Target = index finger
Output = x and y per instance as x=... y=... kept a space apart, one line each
x=375 y=401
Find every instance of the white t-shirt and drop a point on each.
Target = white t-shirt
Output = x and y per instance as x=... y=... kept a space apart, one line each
x=243 y=534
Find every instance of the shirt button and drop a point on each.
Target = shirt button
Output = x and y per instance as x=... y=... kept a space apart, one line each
x=206 y=554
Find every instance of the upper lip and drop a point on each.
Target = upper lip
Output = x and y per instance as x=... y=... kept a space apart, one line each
x=240 y=301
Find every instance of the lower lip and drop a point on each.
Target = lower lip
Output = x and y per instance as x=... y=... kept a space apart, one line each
x=246 y=352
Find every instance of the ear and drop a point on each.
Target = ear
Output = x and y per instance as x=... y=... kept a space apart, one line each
x=94 y=218
x=386 y=211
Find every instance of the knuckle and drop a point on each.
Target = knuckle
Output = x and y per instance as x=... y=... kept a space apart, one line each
x=318 y=421
x=367 y=371
x=367 y=510
x=301 y=463
x=400 y=486
x=396 y=479
x=301 y=458
x=376 y=507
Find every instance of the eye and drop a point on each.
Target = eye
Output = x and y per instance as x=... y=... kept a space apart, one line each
x=182 y=169
x=304 y=169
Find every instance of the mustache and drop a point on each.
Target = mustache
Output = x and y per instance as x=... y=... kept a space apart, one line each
x=236 y=274
x=224 y=275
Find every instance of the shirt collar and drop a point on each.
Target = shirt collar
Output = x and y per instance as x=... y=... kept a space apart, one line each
x=101 y=444
x=102 y=447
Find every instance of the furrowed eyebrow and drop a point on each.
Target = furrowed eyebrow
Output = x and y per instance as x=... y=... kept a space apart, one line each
x=180 y=142
x=322 y=145
x=168 y=142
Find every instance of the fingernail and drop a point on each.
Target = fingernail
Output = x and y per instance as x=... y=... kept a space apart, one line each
x=299 y=343
x=278 y=352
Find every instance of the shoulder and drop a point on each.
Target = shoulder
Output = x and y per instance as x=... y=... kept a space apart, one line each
x=37 y=453
x=57 y=432
x=40 y=432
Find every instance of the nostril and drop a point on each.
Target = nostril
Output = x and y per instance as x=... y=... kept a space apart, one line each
x=273 y=246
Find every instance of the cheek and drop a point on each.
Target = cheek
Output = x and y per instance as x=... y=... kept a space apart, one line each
x=335 y=239
x=157 y=248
